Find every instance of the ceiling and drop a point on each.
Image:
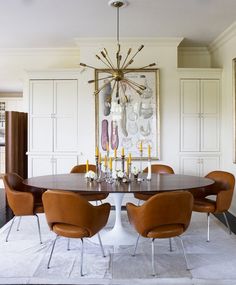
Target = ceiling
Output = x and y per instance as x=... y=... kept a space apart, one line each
x=56 y=23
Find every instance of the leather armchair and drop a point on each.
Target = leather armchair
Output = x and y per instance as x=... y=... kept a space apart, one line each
x=222 y=191
x=82 y=169
x=158 y=169
x=70 y=215
x=164 y=215
x=23 y=200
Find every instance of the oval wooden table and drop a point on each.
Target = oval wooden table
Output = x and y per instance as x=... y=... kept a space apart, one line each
x=159 y=183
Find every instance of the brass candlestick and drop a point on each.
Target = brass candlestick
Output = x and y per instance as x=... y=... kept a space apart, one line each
x=123 y=163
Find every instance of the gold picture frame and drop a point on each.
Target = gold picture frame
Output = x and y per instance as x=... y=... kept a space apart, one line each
x=140 y=116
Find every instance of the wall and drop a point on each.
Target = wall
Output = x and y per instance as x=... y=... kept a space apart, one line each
x=194 y=57
x=223 y=51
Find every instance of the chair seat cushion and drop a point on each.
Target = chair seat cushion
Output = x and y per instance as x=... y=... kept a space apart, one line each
x=204 y=205
x=143 y=197
x=166 y=231
x=70 y=231
x=94 y=197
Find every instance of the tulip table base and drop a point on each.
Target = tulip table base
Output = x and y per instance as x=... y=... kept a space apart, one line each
x=118 y=235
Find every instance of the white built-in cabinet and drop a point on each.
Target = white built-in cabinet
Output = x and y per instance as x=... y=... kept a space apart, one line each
x=53 y=122
x=200 y=91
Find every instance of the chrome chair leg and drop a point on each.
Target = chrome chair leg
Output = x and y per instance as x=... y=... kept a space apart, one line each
x=185 y=256
x=68 y=244
x=81 y=259
x=208 y=227
x=170 y=243
x=227 y=223
x=50 y=257
x=40 y=238
x=136 y=245
x=18 y=226
x=153 y=255
x=10 y=228
x=139 y=201
x=100 y=242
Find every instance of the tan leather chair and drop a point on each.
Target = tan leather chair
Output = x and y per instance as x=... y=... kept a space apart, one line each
x=158 y=169
x=70 y=215
x=82 y=169
x=164 y=215
x=23 y=200
x=222 y=190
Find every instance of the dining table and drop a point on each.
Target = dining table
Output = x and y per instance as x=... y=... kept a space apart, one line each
x=118 y=235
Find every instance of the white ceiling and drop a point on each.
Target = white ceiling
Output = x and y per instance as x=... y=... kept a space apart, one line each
x=55 y=23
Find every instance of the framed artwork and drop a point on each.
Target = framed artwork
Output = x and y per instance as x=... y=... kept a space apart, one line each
x=139 y=122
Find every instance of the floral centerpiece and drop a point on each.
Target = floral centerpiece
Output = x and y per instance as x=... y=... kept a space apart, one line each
x=118 y=175
x=135 y=172
x=90 y=175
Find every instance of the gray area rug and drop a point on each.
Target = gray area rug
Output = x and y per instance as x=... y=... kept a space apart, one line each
x=24 y=261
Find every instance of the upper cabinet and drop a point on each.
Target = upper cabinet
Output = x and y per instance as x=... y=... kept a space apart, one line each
x=53 y=115
x=200 y=115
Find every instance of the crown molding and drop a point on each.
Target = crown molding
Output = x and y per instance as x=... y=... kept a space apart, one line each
x=225 y=36
x=95 y=42
x=194 y=50
x=40 y=51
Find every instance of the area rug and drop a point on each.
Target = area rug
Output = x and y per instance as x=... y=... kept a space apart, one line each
x=24 y=261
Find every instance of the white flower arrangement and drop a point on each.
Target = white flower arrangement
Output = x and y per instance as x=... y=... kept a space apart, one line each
x=118 y=174
x=91 y=175
x=135 y=171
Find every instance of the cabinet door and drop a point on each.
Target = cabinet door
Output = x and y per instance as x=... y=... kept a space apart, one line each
x=40 y=115
x=65 y=121
x=190 y=112
x=209 y=163
x=210 y=91
x=40 y=165
x=64 y=164
x=190 y=165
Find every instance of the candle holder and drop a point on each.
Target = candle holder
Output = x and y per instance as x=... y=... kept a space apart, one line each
x=140 y=178
x=123 y=163
x=97 y=165
x=99 y=177
x=149 y=175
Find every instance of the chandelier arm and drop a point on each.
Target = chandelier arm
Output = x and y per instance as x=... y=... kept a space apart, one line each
x=113 y=88
x=123 y=89
x=96 y=80
x=129 y=63
x=138 y=91
x=109 y=66
x=111 y=63
x=144 y=67
x=142 y=87
x=127 y=55
x=139 y=49
x=85 y=65
x=103 y=86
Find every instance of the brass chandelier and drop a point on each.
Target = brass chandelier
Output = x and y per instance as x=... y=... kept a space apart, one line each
x=118 y=68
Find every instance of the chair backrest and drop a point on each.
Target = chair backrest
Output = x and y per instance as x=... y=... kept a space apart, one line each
x=160 y=169
x=167 y=208
x=223 y=188
x=68 y=208
x=19 y=201
x=82 y=168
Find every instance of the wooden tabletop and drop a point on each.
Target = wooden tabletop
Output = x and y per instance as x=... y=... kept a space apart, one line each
x=77 y=182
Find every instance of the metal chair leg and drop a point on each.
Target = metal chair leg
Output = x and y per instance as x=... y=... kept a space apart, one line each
x=100 y=241
x=227 y=223
x=18 y=226
x=136 y=245
x=139 y=201
x=50 y=257
x=208 y=227
x=170 y=243
x=40 y=238
x=68 y=244
x=10 y=228
x=185 y=256
x=153 y=255
x=81 y=259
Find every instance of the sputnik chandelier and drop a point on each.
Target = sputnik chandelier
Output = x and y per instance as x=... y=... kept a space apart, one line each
x=118 y=68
